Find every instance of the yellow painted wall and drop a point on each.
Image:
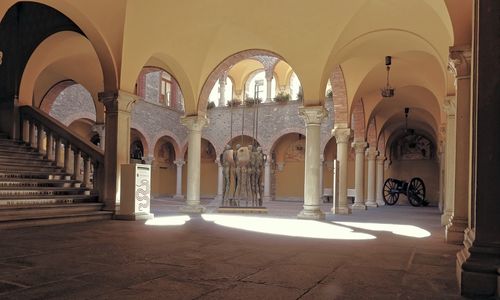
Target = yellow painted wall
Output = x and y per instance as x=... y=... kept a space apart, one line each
x=163 y=180
x=208 y=182
x=290 y=181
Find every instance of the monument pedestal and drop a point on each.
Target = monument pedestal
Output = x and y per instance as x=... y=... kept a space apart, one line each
x=135 y=193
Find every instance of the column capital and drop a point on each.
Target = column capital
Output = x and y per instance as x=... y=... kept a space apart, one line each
x=118 y=100
x=313 y=115
x=195 y=123
x=371 y=153
x=341 y=135
x=179 y=163
x=381 y=158
x=459 y=60
x=321 y=158
x=99 y=128
x=359 y=147
x=149 y=159
x=450 y=105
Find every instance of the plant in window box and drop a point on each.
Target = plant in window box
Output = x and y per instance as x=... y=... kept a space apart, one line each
x=251 y=101
x=329 y=94
x=282 y=97
x=234 y=102
x=300 y=95
x=210 y=105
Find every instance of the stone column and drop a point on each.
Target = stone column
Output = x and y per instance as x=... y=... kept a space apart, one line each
x=359 y=148
x=267 y=180
x=380 y=180
x=194 y=124
x=220 y=180
x=478 y=264
x=449 y=157
x=460 y=58
x=118 y=107
x=342 y=136
x=178 y=182
x=371 y=154
x=269 y=81
x=312 y=117
x=222 y=91
x=321 y=161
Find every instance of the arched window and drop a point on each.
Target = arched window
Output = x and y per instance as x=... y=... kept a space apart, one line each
x=294 y=87
x=159 y=87
x=215 y=93
x=256 y=86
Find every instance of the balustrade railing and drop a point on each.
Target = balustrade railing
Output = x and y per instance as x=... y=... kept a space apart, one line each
x=50 y=137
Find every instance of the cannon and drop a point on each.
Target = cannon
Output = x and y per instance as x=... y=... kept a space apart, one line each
x=414 y=191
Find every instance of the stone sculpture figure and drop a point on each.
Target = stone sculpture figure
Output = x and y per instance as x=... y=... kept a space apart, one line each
x=227 y=160
x=236 y=173
x=251 y=175
x=242 y=164
x=259 y=164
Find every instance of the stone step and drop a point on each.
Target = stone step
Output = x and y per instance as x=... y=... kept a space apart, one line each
x=42 y=200
x=17 y=147
x=33 y=182
x=4 y=141
x=20 y=154
x=9 y=191
x=27 y=221
x=47 y=209
x=20 y=166
x=26 y=174
x=26 y=161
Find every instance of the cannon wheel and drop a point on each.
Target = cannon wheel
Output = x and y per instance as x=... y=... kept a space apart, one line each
x=390 y=193
x=416 y=192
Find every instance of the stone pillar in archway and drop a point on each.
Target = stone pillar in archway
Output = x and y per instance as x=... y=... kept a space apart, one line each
x=267 y=179
x=269 y=81
x=460 y=59
x=312 y=117
x=194 y=124
x=380 y=180
x=342 y=136
x=178 y=183
x=222 y=91
x=359 y=148
x=118 y=107
x=220 y=180
x=371 y=154
x=478 y=264
x=321 y=162
x=449 y=159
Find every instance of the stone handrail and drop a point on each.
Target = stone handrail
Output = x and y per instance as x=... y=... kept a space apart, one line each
x=47 y=135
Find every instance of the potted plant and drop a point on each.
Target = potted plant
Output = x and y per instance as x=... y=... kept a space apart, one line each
x=282 y=97
x=251 y=101
x=210 y=105
x=234 y=102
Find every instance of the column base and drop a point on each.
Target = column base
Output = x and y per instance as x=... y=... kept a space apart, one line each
x=445 y=218
x=455 y=230
x=358 y=206
x=178 y=197
x=478 y=269
x=311 y=214
x=380 y=202
x=192 y=209
x=341 y=210
x=371 y=204
x=267 y=198
x=134 y=217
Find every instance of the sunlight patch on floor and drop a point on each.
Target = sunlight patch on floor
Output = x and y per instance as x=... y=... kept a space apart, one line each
x=169 y=221
x=288 y=227
x=406 y=230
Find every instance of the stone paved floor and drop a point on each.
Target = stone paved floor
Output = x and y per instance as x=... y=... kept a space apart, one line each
x=203 y=260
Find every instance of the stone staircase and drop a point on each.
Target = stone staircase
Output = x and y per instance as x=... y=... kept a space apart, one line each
x=33 y=191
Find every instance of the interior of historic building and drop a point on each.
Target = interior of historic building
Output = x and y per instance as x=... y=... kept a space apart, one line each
x=373 y=152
